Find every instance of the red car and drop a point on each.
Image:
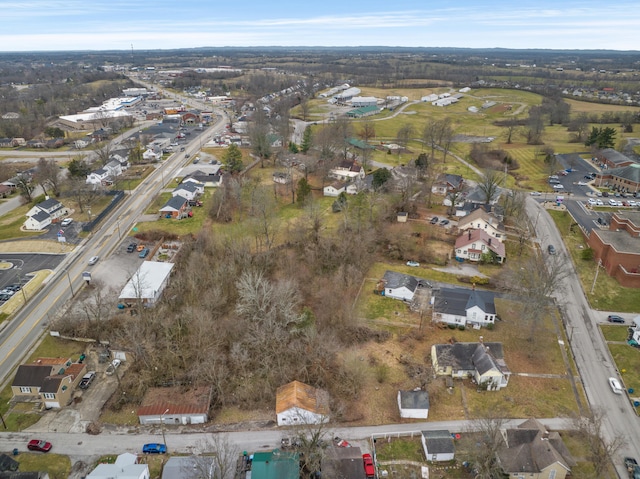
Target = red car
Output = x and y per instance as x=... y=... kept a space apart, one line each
x=39 y=445
x=369 y=468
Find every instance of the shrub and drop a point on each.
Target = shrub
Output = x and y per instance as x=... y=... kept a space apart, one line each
x=382 y=373
x=481 y=280
x=490 y=326
x=451 y=326
x=461 y=327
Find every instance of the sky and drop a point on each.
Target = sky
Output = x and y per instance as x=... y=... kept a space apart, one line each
x=46 y=25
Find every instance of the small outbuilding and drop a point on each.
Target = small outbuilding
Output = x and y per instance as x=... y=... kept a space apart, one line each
x=413 y=404
x=438 y=445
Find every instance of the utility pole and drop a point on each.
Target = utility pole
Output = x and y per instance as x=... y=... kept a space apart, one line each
x=164 y=440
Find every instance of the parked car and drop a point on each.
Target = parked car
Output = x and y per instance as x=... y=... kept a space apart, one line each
x=414 y=264
x=14 y=287
x=116 y=363
x=66 y=222
x=39 y=445
x=7 y=292
x=632 y=467
x=551 y=249
x=553 y=177
x=154 y=448
x=615 y=386
x=535 y=193
x=587 y=177
x=614 y=318
x=558 y=187
x=369 y=468
x=4 y=297
x=600 y=202
x=434 y=220
x=87 y=379
x=141 y=247
x=592 y=201
x=132 y=247
x=444 y=222
x=93 y=260
x=144 y=253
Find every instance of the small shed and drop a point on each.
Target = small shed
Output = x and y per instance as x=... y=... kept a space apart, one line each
x=402 y=217
x=413 y=404
x=438 y=445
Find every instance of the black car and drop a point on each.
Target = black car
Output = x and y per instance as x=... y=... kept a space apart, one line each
x=434 y=220
x=132 y=247
x=87 y=379
x=551 y=249
x=4 y=297
x=444 y=222
x=14 y=287
x=614 y=318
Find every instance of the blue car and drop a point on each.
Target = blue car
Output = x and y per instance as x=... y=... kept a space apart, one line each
x=144 y=253
x=154 y=448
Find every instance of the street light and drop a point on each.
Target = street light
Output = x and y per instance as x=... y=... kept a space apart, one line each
x=164 y=440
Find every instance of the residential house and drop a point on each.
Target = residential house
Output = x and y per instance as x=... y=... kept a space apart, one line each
x=413 y=404
x=208 y=180
x=176 y=207
x=276 y=464
x=101 y=176
x=125 y=467
x=399 y=286
x=6 y=190
x=43 y=214
x=447 y=183
x=175 y=406
x=479 y=197
x=114 y=167
x=19 y=142
x=6 y=143
x=438 y=445
x=190 y=467
x=151 y=155
x=147 y=283
x=299 y=403
x=8 y=463
x=475 y=245
x=635 y=330
x=347 y=170
x=618 y=248
x=343 y=463
x=35 y=143
x=463 y=307
x=335 y=188
x=48 y=380
x=483 y=362
x=531 y=451
x=480 y=219
x=54 y=143
x=189 y=190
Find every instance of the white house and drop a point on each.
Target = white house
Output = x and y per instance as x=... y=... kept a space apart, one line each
x=189 y=190
x=347 y=170
x=480 y=219
x=463 y=307
x=472 y=244
x=399 y=286
x=299 y=403
x=114 y=167
x=438 y=445
x=98 y=177
x=125 y=467
x=43 y=214
x=151 y=155
x=147 y=283
x=636 y=329
x=413 y=404
x=334 y=189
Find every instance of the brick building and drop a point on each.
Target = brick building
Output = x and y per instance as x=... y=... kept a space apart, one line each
x=619 y=248
x=625 y=179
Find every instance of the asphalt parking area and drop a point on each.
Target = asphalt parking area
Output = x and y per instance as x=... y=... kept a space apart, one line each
x=21 y=264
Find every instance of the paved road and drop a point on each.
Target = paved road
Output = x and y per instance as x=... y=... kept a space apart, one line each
x=588 y=346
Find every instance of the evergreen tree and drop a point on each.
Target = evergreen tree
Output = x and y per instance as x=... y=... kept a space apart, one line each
x=307 y=139
x=303 y=191
x=233 y=159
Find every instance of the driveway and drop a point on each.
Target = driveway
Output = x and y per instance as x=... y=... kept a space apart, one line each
x=463 y=269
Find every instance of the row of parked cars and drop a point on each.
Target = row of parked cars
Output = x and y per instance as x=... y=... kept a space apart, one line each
x=9 y=291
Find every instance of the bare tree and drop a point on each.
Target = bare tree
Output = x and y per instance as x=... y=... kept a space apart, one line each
x=404 y=134
x=601 y=449
x=25 y=186
x=259 y=136
x=84 y=194
x=489 y=184
x=445 y=137
x=367 y=133
x=104 y=153
x=265 y=220
x=47 y=175
x=220 y=459
x=311 y=441
x=484 y=441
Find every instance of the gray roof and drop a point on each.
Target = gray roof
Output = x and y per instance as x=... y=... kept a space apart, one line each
x=460 y=356
x=31 y=375
x=7 y=463
x=629 y=172
x=414 y=399
x=23 y=475
x=187 y=467
x=439 y=442
x=100 y=171
x=458 y=300
x=343 y=462
x=529 y=448
x=175 y=202
x=476 y=195
x=395 y=280
x=40 y=216
x=49 y=204
x=51 y=384
x=614 y=156
x=188 y=186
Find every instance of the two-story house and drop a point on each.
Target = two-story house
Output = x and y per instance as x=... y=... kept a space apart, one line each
x=480 y=219
x=475 y=245
x=49 y=380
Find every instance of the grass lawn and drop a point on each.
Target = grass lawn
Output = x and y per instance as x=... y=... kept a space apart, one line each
x=608 y=295
x=11 y=222
x=627 y=358
x=124 y=417
x=54 y=464
x=401 y=448
x=158 y=203
x=615 y=332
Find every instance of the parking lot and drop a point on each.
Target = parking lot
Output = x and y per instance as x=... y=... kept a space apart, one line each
x=18 y=266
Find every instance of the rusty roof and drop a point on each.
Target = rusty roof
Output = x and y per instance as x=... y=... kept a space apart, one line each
x=297 y=394
x=51 y=361
x=176 y=400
